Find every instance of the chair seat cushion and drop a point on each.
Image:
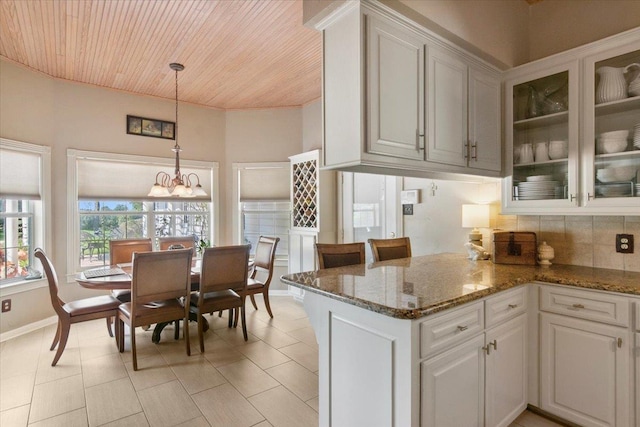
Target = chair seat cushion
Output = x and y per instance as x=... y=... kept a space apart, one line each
x=171 y=309
x=122 y=295
x=91 y=305
x=216 y=300
x=253 y=284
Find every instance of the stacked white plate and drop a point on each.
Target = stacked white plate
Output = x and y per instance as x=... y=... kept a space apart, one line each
x=537 y=187
x=636 y=136
x=637 y=190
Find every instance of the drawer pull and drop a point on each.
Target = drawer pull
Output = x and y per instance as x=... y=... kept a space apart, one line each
x=462 y=328
x=576 y=307
x=513 y=305
x=487 y=348
x=619 y=342
x=494 y=344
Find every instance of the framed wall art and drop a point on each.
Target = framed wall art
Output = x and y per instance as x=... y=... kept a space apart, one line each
x=150 y=127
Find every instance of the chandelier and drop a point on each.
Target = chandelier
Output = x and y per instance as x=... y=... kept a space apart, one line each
x=180 y=184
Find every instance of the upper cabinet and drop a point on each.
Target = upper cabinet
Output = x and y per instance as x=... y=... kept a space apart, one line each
x=464 y=112
x=570 y=127
x=400 y=100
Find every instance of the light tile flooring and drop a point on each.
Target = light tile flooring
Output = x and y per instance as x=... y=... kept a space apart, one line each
x=271 y=380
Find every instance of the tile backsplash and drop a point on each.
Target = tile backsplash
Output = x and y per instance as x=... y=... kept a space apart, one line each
x=580 y=240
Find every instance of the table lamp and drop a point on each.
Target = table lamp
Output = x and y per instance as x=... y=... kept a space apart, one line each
x=475 y=216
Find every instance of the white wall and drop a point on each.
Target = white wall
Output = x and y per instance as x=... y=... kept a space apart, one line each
x=60 y=114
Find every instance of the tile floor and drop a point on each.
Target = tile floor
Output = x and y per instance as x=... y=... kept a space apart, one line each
x=271 y=380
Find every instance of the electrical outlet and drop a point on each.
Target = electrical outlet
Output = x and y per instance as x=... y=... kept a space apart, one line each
x=624 y=243
x=407 y=209
x=6 y=305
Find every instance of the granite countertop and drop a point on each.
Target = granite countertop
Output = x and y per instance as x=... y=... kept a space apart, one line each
x=411 y=288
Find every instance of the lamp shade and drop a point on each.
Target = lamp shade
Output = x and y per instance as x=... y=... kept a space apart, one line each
x=475 y=216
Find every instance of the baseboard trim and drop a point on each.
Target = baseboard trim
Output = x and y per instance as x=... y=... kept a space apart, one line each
x=551 y=417
x=28 y=328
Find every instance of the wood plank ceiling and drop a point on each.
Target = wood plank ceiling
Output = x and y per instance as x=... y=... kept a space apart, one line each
x=238 y=54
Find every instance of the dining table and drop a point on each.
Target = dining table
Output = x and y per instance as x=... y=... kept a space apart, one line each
x=122 y=281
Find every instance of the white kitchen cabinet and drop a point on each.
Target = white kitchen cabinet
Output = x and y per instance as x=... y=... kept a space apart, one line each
x=453 y=386
x=481 y=381
x=395 y=79
x=506 y=372
x=554 y=100
x=376 y=105
x=584 y=368
x=464 y=111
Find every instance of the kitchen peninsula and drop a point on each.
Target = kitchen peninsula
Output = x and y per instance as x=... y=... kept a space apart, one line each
x=393 y=333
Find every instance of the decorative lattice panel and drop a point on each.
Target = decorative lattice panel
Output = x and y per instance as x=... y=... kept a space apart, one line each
x=305 y=191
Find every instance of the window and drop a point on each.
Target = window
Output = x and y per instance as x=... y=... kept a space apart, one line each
x=22 y=199
x=104 y=220
x=266 y=219
x=263 y=204
x=111 y=202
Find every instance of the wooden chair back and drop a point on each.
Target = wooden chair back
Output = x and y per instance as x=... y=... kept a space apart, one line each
x=164 y=243
x=265 y=257
x=120 y=251
x=386 y=249
x=339 y=254
x=223 y=268
x=52 y=279
x=158 y=276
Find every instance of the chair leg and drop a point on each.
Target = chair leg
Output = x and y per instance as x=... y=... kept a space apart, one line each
x=65 y=325
x=133 y=348
x=201 y=332
x=109 y=322
x=186 y=332
x=231 y=317
x=120 y=335
x=56 y=338
x=176 y=332
x=235 y=317
x=253 y=301
x=116 y=328
x=244 y=324
x=265 y=295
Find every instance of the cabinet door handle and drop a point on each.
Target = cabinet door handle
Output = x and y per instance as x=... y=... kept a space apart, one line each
x=572 y=197
x=487 y=348
x=462 y=328
x=513 y=305
x=475 y=151
x=494 y=344
x=465 y=155
x=619 y=342
x=590 y=196
x=419 y=143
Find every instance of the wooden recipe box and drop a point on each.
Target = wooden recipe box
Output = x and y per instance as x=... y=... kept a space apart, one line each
x=514 y=247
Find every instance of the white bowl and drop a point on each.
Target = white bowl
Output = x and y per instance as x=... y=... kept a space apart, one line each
x=607 y=146
x=622 y=134
x=613 y=174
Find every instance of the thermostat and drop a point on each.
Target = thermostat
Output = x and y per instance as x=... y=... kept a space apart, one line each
x=410 y=197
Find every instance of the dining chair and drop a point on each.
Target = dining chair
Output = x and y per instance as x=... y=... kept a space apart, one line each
x=160 y=292
x=385 y=249
x=164 y=243
x=339 y=254
x=104 y=306
x=120 y=252
x=223 y=284
x=262 y=267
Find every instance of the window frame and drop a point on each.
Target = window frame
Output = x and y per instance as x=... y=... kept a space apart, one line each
x=41 y=212
x=73 y=219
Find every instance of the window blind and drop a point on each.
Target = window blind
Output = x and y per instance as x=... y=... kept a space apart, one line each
x=268 y=183
x=19 y=174
x=114 y=179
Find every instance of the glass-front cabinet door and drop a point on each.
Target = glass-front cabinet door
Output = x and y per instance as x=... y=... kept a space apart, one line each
x=542 y=140
x=611 y=128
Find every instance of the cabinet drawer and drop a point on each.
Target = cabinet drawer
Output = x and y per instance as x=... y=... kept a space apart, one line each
x=505 y=305
x=451 y=328
x=597 y=306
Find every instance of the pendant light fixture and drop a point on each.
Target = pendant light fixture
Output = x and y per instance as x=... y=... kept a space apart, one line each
x=180 y=184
